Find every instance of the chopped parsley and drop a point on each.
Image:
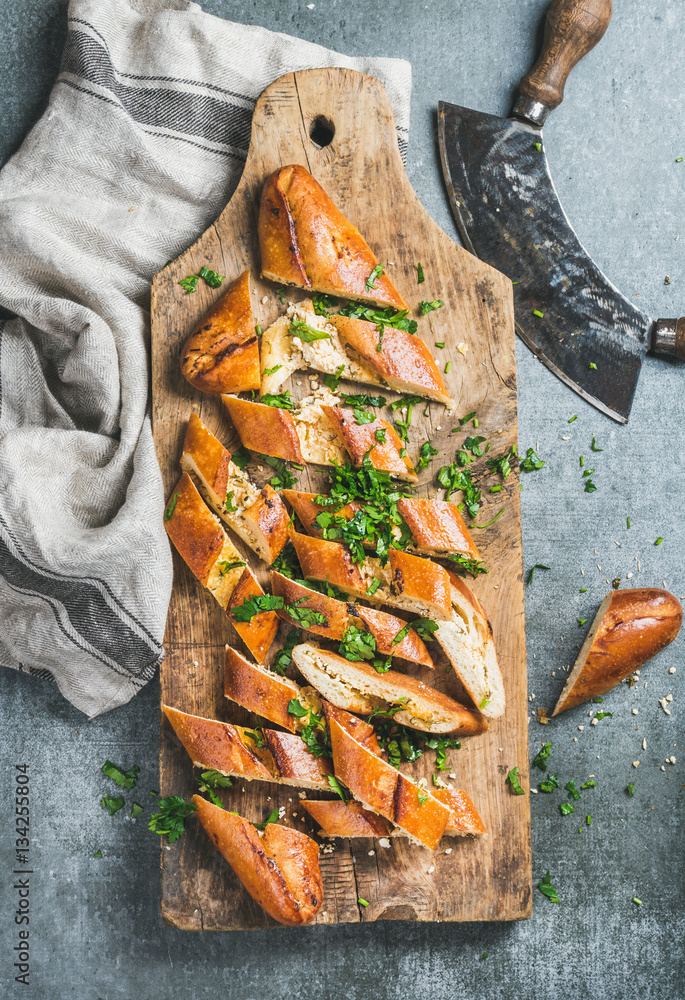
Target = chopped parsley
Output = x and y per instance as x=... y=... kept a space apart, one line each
x=395 y=318
x=590 y=486
x=465 y=565
x=424 y=627
x=136 y=810
x=533 y=568
x=225 y=567
x=172 y=506
x=189 y=284
x=542 y=757
x=285 y=656
x=540 y=315
x=547 y=889
x=531 y=463
x=423 y=797
x=420 y=277
x=362 y=902
x=408 y=402
x=241 y=457
x=453 y=478
x=465 y=420
x=98 y=854
x=514 y=783
x=170 y=821
x=112 y=804
x=582 y=621
x=271 y=818
x=426 y=454
x=549 y=784
x=440 y=343
x=379 y=435
x=441 y=744
x=574 y=417
x=426 y=307
x=281 y=399
x=630 y=789
x=357 y=644
x=602 y=715
x=307 y=334
x=593 y=366
x=362 y=399
x=281 y=294
x=228 y=502
x=313 y=732
x=588 y=784
x=573 y=792
x=213 y=279
x=372 y=280
x=565 y=808
x=379 y=345
x=594 y=445
x=538 y=146
x=286 y=562
x=252 y=606
x=322 y=303
x=658 y=541
x=272 y=371
x=332 y=381
x=283 y=480
x=627 y=522
x=124 y=779
x=588 y=820
x=337 y=787
x=363 y=416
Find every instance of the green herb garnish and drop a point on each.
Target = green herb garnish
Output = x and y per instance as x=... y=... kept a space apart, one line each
x=420 y=278
x=426 y=454
x=124 y=779
x=372 y=280
x=272 y=371
x=514 y=783
x=307 y=334
x=112 y=804
x=532 y=571
x=213 y=279
x=282 y=400
x=426 y=307
x=172 y=506
x=547 y=889
x=189 y=284
x=542 y=757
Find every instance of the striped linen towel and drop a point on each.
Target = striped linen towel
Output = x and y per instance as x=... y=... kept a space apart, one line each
x=141 y=145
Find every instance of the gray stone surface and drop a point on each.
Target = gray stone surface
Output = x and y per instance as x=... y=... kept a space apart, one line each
x=96 y=929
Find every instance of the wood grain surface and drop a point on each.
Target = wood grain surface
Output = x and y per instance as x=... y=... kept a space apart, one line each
x=485 y=879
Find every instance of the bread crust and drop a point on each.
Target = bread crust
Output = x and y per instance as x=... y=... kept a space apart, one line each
x=437 y=526
x=630 y=628
x=259 y=633
x=340 y=616
x=279 y=868
x=305 y=240
x=404 y=361
x=363 y=732
x=338 y=679
x=307 y=510
x=360 y=440
x=258 y=690
x=386 y=791
x=268 y=430
x=323 y=560
x=194 y=530
x=221 y=353
x=420 y=582
x=350 y=819
x=232 y=751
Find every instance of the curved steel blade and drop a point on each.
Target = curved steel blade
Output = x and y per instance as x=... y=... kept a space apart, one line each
x=508 y=214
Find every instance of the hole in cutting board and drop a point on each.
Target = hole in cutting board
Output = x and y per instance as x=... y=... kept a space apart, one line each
x=321 y=131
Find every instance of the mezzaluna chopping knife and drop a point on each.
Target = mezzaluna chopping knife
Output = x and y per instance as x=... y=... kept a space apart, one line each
x=508 y=214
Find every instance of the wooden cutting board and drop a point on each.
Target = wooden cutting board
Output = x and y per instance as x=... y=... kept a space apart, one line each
x=486 y=879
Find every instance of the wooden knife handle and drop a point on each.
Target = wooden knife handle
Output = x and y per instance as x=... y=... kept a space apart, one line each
x=572 y=28
x=668 y=337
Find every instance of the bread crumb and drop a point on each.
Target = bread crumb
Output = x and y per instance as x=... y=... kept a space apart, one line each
x=581 y=728
x=384 y=842
x=671 y=670
x=430 y=870
x=453 y=776
x=636 y=763
x=302 y=795
x=268 y=798
x=669 y=697
x=671 y=760
x=501 y=750
x=594 y=722
x=662 y=768
x=533 y=791
x=281 y=812
x=448 y=850
x=264 y=299
x=636 y=711
x=575 y=739
x=566 y=437
x=629 y=576
x=371 y=853
x=644 y=743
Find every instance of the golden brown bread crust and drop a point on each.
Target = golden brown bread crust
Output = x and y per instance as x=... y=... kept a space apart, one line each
x=231 y=750
x=360 y=440
x=404 y=361
x=217 y=745
x=464 y=818
x=268 y=430
x=260 y=631
x=437 y=526
x=269 y=518
x=346 y=819
x=221 y=353
x=340 y=616
x=208 y=454
x=321 y=560
x=307 y=510
x=363 y=732
x=305 y=240
x=259 y=690
x=425 y=708
x=279 y=868
x=350 y=819
x=194 y=530
x=386 y=791
x=630 y=628
x=420 y=580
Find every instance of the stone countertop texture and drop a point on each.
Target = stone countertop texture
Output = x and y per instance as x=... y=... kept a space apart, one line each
x=96 y=930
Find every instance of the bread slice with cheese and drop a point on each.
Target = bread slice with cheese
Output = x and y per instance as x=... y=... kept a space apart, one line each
x=266 y=693
x=210 y=554
x=305 y=240
x=340 y=616
x=343 y=682
x=417 y=585
x=350 y=819
x=403 y=362
x=221 y=353
x=258 y=517
x=316 y=430
x=437 y=527
x=290 y=345
x=237 y=752
x=386 y=791
x=279 y=867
